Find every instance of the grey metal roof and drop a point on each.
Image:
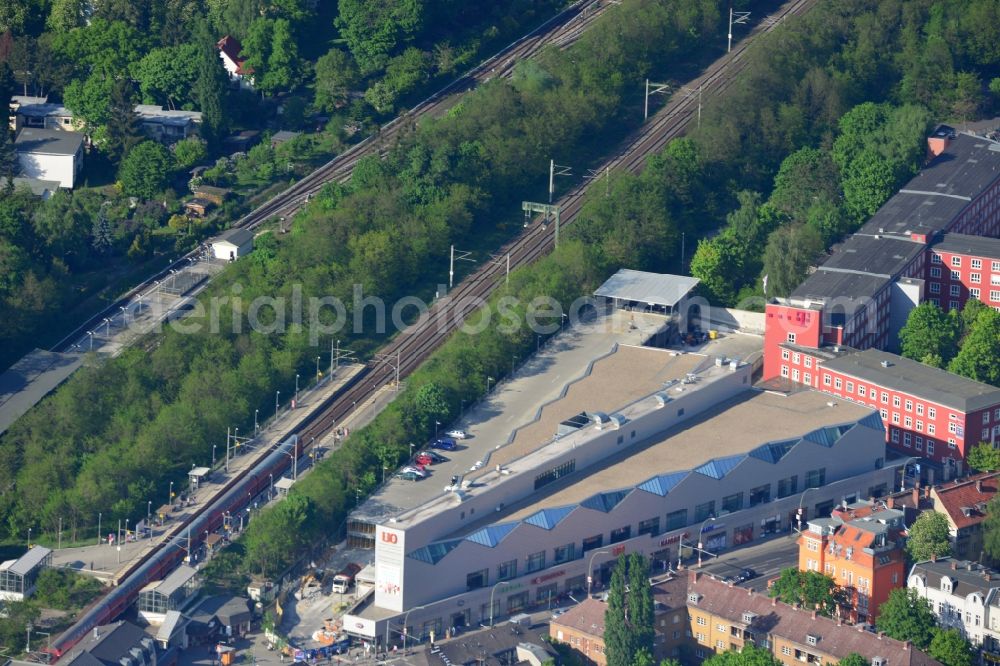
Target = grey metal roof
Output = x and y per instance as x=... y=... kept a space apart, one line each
x=924 y=381
x=237 y=237
x=34 y=557
x=980 y=246
x=927 y=204
x=642 y=287
x=48 y=142
x=967 y=577
x=199 y=471
x=176 y=580
x=170 y=622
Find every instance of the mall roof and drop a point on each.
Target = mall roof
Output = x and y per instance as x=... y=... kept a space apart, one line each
x=917 y=379
x=650 y=288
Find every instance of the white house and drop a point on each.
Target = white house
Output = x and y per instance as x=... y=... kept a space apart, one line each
x=229 y=50
x=233 y=244
x=17 y=577
x=959 y=593
x=47 y=154
x=167 y=125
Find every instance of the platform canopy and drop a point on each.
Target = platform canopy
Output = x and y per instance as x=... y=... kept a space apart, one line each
x=651 y=289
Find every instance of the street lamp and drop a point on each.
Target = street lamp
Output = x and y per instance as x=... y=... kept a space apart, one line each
x=488 y=380
x=296 y=389
x=91 y=334
x=700 y=530
x=798 y=513
x=149 y=517
x=590 y=568
x=213 y=455
x=98 y=528
x=270 y=494
x=406 y=619
x=503 y=582
x=276 y=394
x=902 y=476
x=29 y=537
x=256 y=412
x=170 y=495
x=317 y=369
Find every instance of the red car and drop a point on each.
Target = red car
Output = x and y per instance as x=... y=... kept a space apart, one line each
x=423 y=460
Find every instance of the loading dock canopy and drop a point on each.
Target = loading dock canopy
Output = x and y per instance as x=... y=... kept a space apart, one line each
x=652 y=289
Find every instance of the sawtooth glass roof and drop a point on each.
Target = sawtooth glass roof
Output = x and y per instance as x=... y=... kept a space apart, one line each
x=717 y=468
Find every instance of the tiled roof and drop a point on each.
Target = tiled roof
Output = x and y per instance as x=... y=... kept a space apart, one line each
x=781 y=620
x=969 y=493
x=586 y=617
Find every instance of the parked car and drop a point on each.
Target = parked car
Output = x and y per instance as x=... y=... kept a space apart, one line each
x=445 y=444
x=456 y=434
x=434 y=456
x=409 y=476
x=745 y=575
x=415 y=469
x=423 y=460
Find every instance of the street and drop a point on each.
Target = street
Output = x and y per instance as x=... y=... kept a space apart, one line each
x=767 y=559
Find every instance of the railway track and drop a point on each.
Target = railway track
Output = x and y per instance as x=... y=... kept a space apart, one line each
x=561 y=30
x=412 y=346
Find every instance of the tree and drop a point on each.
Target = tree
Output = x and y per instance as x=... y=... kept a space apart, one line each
x=122 y=132
x=628 y=620
x=750 y=655
x=271 y=52
x=211 y=87
x=809 y=589
x=336 y=75
x=189 y=152
x=984 y=457
x=979 y=358
x=951 y=648
x=929 y=331
x=9 y=165
x=789 y=253
x=65 y=15
x=145 y=170
x=374 y=30
x=854 y=659
x=805 y=176
x=928 y=537
x=167 y=75
x=907 y=617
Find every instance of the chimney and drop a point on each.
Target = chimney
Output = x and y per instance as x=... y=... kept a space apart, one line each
x=693 y=576
x=954 y=565
x=937 y=143
x=881 y=634
x=890 y=502
x=979 y=486
x=916 y=496
x=906 y=645
x=933 y=557
x=749 y=591
x=814 y=615
x=839 y=623
x=774 y=601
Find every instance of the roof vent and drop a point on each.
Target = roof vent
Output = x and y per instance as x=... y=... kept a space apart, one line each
x=662 y=399
x=885 y=364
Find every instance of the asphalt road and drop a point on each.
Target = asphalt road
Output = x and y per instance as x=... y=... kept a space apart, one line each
x=767 y=559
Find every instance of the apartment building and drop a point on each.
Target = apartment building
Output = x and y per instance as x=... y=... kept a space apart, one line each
x=863 y=554
x=724 y=617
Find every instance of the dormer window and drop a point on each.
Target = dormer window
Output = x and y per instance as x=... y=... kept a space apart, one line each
x=694 y=597
x=946 y=585
x=748 y=617
x=811 y=639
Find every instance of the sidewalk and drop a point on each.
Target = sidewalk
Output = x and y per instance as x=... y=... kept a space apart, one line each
x=29 y=380
x=107 y=561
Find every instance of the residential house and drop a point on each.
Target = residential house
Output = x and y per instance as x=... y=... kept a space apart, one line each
x=964 y=502
x=118 y=644
x=958 y=592
x=239 y=74
x=724 y=617
x=167 y=125
x=52 y=155
x=225 y=615
x=39 y=113
x=861 y=548
x=582 y=626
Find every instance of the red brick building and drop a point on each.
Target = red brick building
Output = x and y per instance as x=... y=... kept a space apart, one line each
x=964 y=504
x=930 y=240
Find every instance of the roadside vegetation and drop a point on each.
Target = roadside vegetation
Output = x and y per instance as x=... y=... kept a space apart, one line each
x=333 y=70
x=114 y=436
x=834 y=72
